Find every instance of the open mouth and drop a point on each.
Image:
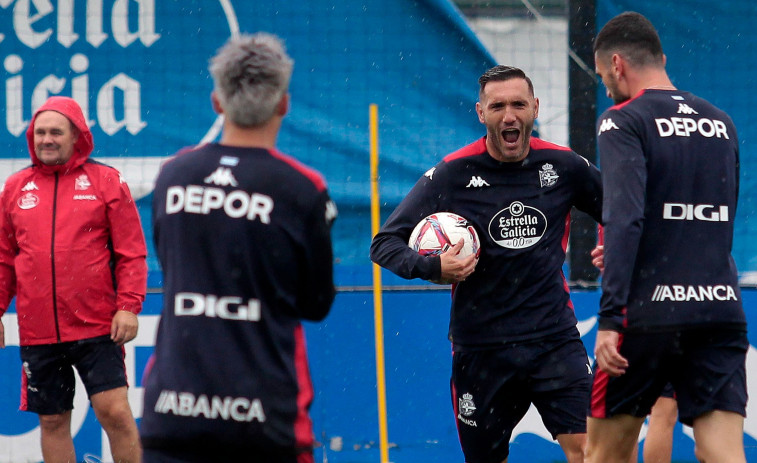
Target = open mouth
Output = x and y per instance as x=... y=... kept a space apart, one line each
x=511 y=135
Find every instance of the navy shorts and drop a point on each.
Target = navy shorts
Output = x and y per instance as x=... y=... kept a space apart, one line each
x=706 y=368
x=48 y=377
x=668 y=392
x=493 y=389
x=204 y=455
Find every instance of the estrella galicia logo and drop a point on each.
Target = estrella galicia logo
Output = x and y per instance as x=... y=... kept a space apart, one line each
x=110 y=56
x=518 y=226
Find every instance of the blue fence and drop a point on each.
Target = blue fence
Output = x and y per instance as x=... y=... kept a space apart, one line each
x=341 y=350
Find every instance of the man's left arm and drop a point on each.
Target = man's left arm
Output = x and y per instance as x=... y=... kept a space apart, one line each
x=129 y=254
x=588 y=189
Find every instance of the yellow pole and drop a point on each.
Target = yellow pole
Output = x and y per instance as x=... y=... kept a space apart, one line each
x=378 y=312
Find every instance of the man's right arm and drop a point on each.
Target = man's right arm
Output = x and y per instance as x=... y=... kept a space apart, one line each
x=624 y=179
x=389 y=247
x=8 y=253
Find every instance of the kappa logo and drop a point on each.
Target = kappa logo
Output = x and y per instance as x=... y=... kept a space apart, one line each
x=30 y=186
x=331 y=211
x=683 y=108
x=607 y=124
x=222 y=177
x=476 y=182
x=430 y=173
x=28 y=373
x=547 y=175
x=82 y=182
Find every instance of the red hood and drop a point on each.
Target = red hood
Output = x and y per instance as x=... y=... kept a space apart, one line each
x=84 y=145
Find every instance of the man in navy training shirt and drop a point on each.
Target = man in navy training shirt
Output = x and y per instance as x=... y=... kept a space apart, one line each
x=512 y=324
x=242 y=232
x=671 y=309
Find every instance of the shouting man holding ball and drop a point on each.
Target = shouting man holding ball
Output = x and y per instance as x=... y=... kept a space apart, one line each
x=512 y=325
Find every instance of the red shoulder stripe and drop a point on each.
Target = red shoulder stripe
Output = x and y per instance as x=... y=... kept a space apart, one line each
x=620 y=105
x=475 y=148
x=181 y=152
x=308 y=172
x=539 y=144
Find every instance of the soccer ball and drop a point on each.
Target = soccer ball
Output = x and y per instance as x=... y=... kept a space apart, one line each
x=442 y=230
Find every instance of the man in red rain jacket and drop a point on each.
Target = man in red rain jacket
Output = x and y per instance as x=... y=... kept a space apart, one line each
x=72 y=252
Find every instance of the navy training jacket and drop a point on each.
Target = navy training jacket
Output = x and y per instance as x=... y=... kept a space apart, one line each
x=243 y=238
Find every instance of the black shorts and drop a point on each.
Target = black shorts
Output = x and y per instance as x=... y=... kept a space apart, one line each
x=668 y=392
x=48 y=377
x=706 y=368
x=493 y=389
x=151 y=455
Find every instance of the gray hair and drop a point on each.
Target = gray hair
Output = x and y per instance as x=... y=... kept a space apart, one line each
x=250 y=74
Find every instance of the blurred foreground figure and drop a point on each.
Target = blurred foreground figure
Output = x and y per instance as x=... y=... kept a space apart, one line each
x=242 y=232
